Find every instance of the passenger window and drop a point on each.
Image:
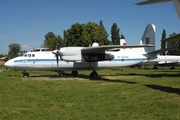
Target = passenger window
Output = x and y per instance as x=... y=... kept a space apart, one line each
x=33 y=55
x=29 y=55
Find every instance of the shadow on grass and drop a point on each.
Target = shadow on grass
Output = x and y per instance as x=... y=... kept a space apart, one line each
x=117 y=80
x=155 y=75
x=70 y=76
x=164 y=89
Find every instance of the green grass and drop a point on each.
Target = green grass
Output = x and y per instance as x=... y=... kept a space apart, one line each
x=128 y=93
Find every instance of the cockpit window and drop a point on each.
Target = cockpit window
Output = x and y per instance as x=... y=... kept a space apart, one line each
x=25 y=55
x=22 y=55
x=33 y=55
x=29 y=55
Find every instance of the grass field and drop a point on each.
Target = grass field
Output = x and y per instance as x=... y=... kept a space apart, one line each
x=121 y=94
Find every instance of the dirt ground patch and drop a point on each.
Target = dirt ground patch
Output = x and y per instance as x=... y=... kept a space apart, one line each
x=40 y=78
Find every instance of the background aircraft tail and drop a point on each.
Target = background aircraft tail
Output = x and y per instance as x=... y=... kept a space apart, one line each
x=148 y=37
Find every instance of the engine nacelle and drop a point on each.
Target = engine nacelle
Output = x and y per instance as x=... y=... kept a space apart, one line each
x=71 y=54
x=74 y=54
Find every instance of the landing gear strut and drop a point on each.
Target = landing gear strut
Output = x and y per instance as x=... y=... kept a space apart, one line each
x=155 y=67
x=172 y=67
x=25 y=74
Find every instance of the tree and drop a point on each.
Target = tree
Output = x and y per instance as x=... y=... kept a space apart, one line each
x=122 y=36
x=86 y=34
x=14 y=50
x=115 y=37
x=49 y=35
x=103 y=33
x=65 y=33
x=163 y=44
x=53 y=42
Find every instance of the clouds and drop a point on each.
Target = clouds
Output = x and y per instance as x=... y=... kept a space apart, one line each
x=25 y=46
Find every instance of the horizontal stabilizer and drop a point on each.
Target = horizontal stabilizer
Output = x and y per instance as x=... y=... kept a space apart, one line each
x=159 y=51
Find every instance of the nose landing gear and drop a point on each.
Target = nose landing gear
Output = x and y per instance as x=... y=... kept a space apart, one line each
x=25 y=74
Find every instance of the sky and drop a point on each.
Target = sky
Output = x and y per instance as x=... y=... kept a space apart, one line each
x=26 y=22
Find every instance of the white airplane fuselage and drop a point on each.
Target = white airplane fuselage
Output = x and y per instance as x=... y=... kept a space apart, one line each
x=47 y=61
x=169 y=59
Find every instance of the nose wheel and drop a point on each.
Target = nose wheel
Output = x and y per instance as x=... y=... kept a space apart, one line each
x=25 y=74
x=74 y=73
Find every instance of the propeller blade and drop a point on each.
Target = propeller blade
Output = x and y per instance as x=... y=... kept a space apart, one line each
x=57 y=59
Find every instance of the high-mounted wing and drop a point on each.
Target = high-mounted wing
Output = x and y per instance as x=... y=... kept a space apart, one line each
x=97 y=53
x=109 y=47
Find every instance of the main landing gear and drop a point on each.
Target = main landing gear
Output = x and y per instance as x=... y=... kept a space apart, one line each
x=155 y=67
x=25 y=74
x=172 y=67
x=74 y=73
x=93 y=74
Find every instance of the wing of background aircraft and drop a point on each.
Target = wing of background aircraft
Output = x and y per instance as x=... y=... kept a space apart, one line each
x=151 y=2
x=175 y=2
x=173 y=38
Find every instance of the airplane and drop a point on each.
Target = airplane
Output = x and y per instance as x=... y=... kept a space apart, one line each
x=175 y=2
x=159 y=59
x=83 y=58
x=177 y=7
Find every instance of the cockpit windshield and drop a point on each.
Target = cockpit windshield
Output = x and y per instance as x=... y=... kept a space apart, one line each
x=41 y=50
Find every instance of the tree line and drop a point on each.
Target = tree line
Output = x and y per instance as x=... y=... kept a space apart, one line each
x=78 y=35
x=86 y=34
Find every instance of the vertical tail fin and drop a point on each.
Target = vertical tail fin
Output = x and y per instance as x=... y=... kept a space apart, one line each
x=122 y=42
x=149 y=37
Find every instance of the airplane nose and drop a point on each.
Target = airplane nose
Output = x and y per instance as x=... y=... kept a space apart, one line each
x=9 y=64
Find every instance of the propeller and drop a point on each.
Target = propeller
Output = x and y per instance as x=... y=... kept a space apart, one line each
x=56 y=53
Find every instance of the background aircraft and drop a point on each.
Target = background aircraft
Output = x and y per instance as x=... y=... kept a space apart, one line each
x=156 y=59
x=175 y=2
x=79 y=58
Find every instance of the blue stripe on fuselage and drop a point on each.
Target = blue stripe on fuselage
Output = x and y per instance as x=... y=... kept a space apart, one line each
x=54 y=60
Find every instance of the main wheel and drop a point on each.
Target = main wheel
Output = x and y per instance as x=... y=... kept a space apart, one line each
x=74 y=73
x=94 y=75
